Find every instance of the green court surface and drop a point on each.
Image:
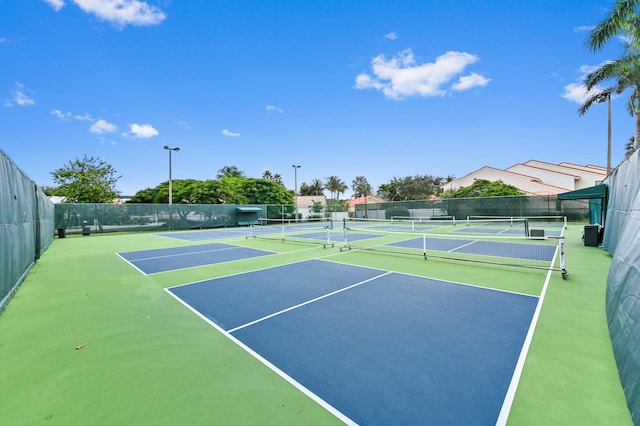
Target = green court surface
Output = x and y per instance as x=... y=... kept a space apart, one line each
x=88 y=339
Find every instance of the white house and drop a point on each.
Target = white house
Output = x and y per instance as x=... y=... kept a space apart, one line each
x=536 y=177
x=304 y=203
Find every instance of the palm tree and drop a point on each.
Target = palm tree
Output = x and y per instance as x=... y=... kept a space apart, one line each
x=623 y=21
x=336 y=186
x=277 y=178
x=626 y=73
x=599 y=97
x=316 y=187
x=360 y=187
x=229 y=171
x=629 y=148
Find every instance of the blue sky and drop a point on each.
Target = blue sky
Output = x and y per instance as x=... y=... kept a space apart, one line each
x=379 y=89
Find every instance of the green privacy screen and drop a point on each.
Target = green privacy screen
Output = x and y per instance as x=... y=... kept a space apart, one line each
x=461 y=208
x=623 y=282
x=102 y=218
x=26 y=226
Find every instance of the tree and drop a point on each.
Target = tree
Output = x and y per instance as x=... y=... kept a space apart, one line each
x=485 y=188
x=267 y=175
x=49 y=190
x=390 y=191
x=227 y=190
x=629 y=148
x=418 y=187
x=229 y=171
x=624 y=21
x=90 y=180
x=315 y=188
x=264 y=191
x=360 y=187
x=336 y=186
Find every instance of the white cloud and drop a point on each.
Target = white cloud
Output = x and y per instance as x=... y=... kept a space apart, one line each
x=184 y=124
x=19 y=97
x=230 y=133
x=577 y=92
x=391 y=36
x=123 y=12
x=55 y=4
x=143 y=131
x=401 y=76
x=102 y=126
x=85 y=117
x=470 y=81
x=273 y=108
x=64 y=116
x=583 y=28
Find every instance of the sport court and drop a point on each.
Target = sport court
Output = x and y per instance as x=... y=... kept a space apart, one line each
x=371 y=345
x=378 y=347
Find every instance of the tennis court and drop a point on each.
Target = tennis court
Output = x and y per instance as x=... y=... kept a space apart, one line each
x=374 y=346
x=242 y=326
x=168 y=259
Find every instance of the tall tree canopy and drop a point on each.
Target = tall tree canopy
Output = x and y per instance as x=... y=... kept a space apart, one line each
x=360 y=187
x=229 y=171
x=89 y=180
x=227 y=190
x=485 y=188
x=315 y=188
x=418 y=187
x=336 y=186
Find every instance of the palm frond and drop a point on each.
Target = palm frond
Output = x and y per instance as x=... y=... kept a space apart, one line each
x=622 y=13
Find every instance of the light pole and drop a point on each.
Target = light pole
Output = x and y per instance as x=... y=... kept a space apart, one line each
x=609 y=135
x=605 y=95
x=176 y=149
x=295 y=188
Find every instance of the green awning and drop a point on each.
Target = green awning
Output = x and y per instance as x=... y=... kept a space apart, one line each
x=598 y=191
x=248 y=209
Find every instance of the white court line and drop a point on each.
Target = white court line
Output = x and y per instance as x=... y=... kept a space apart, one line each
x=187 y=254
x=462 y=246
x=517 y=373
x=337 y=413
x=291 y=308
x=134 y=266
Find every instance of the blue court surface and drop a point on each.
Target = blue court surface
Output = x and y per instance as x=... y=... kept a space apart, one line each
x=376 y=347
x=168 y=259
x=209 y=234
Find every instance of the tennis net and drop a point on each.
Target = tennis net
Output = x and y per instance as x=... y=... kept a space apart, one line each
x=290 y=230
x=543 y=221
x=402 y=223
x=528 y=252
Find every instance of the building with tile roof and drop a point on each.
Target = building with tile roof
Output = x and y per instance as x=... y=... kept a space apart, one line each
x=536 y=177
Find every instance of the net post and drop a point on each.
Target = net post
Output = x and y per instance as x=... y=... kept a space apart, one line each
x=526 y=228
x=563 y=261
x=424 y=246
